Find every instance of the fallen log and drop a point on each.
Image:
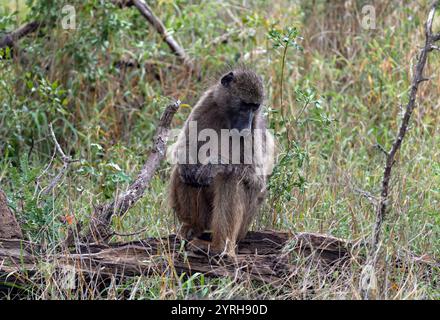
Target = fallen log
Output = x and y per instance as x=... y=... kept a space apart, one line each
x=266 y=256
x=260 y=256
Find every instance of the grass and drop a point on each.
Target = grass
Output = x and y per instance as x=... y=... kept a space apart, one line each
x=11 y=6
x=346 y=86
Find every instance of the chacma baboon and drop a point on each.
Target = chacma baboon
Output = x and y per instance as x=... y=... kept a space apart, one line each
x=209 y=190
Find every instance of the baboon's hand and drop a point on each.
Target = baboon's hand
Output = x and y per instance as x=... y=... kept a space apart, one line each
x=196 y=175
x=252 y=180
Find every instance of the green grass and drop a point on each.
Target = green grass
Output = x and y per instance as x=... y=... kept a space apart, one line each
x=106 y=117
x=11 y=6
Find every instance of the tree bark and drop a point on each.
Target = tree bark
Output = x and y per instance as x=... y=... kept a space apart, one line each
x=11 y=38
x=266 y=256
x=260 y=256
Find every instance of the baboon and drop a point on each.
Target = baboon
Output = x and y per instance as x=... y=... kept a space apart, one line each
x=213 y=194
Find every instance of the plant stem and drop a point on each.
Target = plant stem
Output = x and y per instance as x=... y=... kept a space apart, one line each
x=283 y=64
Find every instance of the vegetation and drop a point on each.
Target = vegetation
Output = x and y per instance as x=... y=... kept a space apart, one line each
x=333 y=96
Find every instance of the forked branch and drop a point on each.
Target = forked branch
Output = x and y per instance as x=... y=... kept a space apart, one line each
x=67 y=160
x=12 y=37
x=99 y=229
x=157 y=24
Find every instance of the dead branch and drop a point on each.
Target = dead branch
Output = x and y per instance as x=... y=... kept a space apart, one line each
x=267 y=256
x=67 y=160
x=221 y=39
x=261 y=256
x=122 y=3
x=12 y=37
x=410 y=106
x=157 y=24
x=9 y=227
x=100 y=222
x=368 y=280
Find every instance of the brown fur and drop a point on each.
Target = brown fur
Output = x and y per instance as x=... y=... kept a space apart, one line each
x=221 y=198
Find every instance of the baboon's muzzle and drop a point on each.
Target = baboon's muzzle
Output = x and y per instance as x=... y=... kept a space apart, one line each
x=242 y=120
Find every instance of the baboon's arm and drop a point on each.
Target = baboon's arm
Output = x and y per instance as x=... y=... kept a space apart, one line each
x=202 y=175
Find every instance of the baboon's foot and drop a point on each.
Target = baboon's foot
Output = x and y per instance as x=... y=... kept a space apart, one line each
x=187 y=232
x=223 y=250
x=203 y=245
x=199 y=246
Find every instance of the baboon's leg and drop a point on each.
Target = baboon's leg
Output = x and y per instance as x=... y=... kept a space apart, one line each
x=191 y=205
x=228 y=213
x=253 y=200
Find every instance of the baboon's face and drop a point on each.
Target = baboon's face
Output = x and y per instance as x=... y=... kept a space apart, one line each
x=245 y=94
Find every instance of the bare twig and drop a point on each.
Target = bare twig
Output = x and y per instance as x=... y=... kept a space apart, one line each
x=221 y=39
x=46 y=169
x=10 y=39
x=134 y=233
x=381 y=148
x=410 y=106
x=122 y=3
x=368 y=275
x=100 y=222
x=67 y=160
x=367 y=195
x=148 y=14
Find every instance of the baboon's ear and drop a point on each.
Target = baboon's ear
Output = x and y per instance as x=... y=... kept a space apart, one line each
x=227 y=79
